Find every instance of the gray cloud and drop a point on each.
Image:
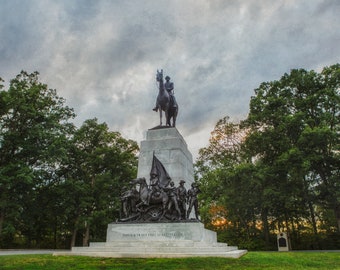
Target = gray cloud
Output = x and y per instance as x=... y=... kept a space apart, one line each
x=102 y=56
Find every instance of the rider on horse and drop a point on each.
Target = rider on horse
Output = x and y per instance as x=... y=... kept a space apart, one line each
x=169 y=87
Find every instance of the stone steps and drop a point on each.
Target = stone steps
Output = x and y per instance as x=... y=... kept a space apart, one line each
x=159 y=249
x=153 y=249
x=165 y=252
x=160 y=240
x=229 y=254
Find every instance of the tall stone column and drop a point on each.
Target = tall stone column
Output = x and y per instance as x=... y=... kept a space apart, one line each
x=170 y=148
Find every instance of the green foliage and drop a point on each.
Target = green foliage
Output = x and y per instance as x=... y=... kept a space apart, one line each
x=99 y=162
x=282 y=173
x=33 y=129
x=215 y=161
x=296 y=120
x=56 y=181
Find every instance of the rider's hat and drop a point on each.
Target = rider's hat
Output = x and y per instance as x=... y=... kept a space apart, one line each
x=167 y=78
x=182 y=181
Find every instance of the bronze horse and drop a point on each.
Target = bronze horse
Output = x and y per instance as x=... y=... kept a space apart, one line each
x=163 y=198
x=163 y=102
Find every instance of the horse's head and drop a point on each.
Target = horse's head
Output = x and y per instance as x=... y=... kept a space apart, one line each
x=159 y=76
x=140 y=181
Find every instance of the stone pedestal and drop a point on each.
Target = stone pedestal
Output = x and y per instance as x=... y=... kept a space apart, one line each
x=158 y=240
x=168 y=231
x=170 y=148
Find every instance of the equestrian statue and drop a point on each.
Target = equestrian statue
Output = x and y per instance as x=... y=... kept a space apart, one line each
x=166 y=100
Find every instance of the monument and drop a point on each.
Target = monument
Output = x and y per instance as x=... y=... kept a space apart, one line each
x=283 y=241
x=160 y=213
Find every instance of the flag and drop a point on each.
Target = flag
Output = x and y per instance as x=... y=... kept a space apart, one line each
x=158 y=169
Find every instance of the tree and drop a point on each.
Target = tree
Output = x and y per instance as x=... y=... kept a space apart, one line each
x=283 y=174
x=101 y=163
x=223 y=152
x=294 y=126
x=56 y=180
x=33 y=128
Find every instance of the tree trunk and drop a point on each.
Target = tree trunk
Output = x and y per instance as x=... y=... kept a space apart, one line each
x=288 y=231
x=55 y=231
x=315 y=229
x=86 y=236
x=74 y=236
x=75 y=230
x=264 y=217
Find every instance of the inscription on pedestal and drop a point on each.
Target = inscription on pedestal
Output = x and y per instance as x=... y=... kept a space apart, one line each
x=175 y=235
x=193 y=231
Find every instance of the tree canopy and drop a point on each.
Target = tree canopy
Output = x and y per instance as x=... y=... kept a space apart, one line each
x=57 y=181
x=284 y=174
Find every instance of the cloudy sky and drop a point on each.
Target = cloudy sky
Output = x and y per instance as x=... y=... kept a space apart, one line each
x=102 y=56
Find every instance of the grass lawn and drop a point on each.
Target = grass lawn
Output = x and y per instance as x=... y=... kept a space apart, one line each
x=252 y=260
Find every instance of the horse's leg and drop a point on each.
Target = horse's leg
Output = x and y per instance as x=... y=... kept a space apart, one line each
x=174 y=117
x=169 y=120
x=160 y=116
x=167 y=117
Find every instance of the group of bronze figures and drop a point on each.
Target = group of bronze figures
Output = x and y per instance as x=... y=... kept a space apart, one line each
x=157 y=202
